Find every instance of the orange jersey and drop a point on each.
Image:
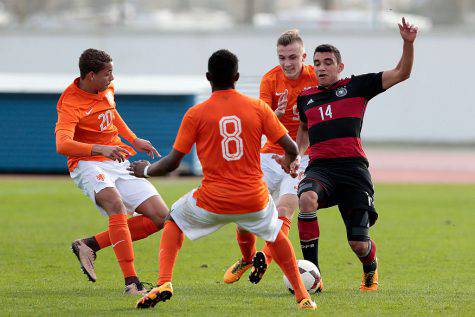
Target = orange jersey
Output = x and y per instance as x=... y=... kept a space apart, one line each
x=227 y=129
x=273 y=85
x=85 y=119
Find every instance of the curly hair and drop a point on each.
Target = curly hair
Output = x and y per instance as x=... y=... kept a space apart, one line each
x=92 y=60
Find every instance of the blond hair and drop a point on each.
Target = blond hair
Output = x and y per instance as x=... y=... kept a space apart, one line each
x=289 y=37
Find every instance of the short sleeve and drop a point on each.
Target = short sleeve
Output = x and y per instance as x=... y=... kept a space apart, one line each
x=368 y=85
x=273 y=128
x=265 y=91
x=186 y=136
x=302 y=115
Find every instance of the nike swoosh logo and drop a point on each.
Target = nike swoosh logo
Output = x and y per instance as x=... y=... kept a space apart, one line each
x=114 y=244
x=89 y=112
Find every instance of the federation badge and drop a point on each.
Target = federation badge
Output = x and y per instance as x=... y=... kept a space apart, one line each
x=340 y=92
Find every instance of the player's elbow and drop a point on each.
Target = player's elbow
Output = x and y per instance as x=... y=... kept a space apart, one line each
x=405 y=76
x=60 y=148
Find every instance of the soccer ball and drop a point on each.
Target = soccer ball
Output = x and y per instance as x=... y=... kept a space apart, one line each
x=310 y=276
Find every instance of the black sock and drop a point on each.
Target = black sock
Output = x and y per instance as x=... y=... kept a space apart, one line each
x=310 y=251
x=92 y=243
x=309 y=232
x=370 y=267
x=133 y=279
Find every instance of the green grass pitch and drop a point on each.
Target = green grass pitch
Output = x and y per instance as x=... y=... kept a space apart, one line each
x=425 y=239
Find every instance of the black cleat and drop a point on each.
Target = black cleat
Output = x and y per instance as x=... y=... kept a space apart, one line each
x=259 y=267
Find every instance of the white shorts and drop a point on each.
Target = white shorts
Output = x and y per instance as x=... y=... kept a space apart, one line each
x=196 y=222
x=93 y=176
x=278 y=181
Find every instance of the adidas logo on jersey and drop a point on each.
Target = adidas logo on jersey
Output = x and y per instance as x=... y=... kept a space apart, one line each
x=309 y=102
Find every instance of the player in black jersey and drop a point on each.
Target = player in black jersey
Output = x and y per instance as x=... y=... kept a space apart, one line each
x=331 y=118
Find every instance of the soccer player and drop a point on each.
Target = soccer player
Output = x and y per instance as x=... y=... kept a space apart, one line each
x=87 y=132
x=227 y=129
x=331 y=118
x=279 y=89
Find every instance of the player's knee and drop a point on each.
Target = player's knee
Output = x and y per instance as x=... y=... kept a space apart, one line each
x=114 y=206
x=285 y=211
x=360 y=248
x=308 y=201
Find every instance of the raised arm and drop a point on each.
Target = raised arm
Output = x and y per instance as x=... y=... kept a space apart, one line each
x=403 y=69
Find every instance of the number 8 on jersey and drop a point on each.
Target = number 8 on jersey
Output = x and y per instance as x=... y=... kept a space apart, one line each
x=230 y=128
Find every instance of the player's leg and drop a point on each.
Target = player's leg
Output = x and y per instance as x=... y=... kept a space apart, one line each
x=357 y=230
x=109 y=199
x=185 y=219
x=315 y=191
x=137 y=194
x=312 y=194
x=285 y=208
x=142 y=197
x=247 y=245
x=356 y=206
x=284 y=256
x=170 y=245
x=272 y=175
x=266 y=225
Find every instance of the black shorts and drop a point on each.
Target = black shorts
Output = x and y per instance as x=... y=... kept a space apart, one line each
x=343 y=182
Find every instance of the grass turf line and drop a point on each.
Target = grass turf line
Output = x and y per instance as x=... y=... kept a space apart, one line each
x=424 y=237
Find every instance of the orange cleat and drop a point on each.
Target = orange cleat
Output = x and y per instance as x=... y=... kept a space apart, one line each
x=234 y=272
x=308 y=304
x=161 y=293
x=369 y=281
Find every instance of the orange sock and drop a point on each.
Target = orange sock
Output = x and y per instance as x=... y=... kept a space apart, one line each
x=140 y=227
x=247 y=244
x=284 y=255
x=286 y=222
x=172 y=240
x=122 y=243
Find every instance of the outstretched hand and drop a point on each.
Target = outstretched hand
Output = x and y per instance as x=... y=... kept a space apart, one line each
x=137 y=168
x=288 y=166
x=408 y=31
x=142 y=145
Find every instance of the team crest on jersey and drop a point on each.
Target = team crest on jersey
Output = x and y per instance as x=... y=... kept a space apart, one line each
x=110 y=98
x=340 y=92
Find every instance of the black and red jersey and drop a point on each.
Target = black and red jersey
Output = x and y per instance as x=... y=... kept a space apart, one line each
x=334 y=116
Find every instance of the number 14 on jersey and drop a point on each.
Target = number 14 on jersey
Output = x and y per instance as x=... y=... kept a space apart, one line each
x=326 y=113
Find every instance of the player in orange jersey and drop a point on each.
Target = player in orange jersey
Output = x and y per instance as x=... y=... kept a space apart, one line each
x=87 y=132
x=280 y=88
x=227 y=129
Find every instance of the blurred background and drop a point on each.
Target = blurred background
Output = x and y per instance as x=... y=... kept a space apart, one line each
x=160 y=50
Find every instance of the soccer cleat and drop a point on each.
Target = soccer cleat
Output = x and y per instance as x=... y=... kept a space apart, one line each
x=320 y=286
x=135 y=289
x=259 y=267
x=370 y=281
x=86 y=257
x=307 y=303
x=160 y=293
x=234 y=272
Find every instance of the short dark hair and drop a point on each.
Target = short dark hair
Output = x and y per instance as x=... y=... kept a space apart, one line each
x=223 y=66
x=92 y=60
x=328 y=48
